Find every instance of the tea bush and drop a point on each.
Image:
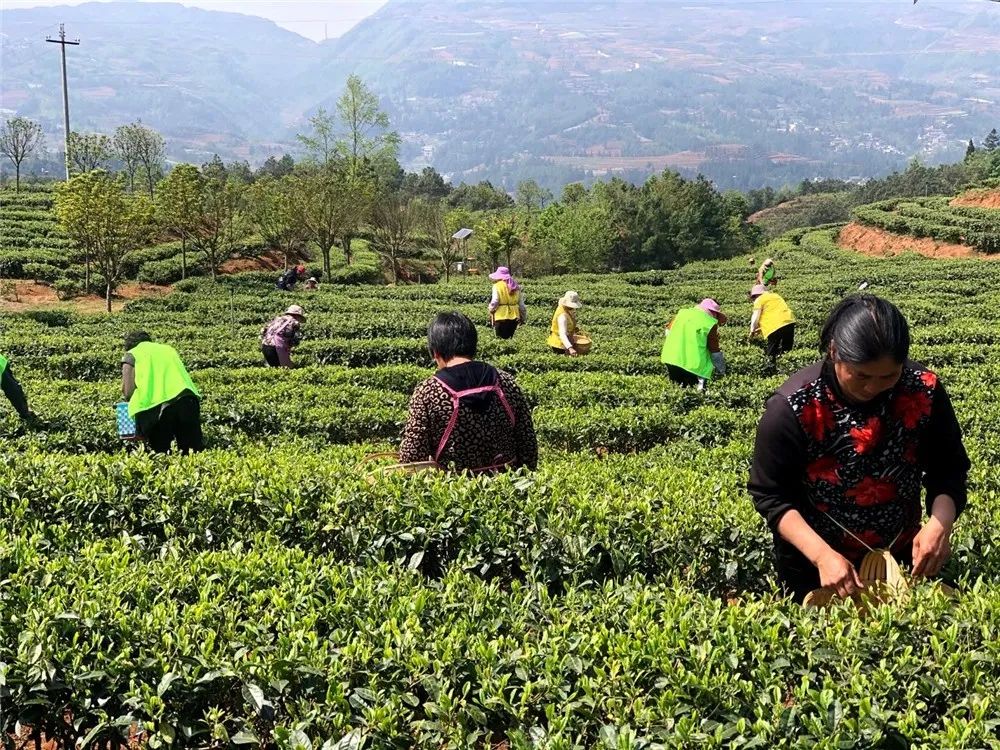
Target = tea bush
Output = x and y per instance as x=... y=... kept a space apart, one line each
x=265 y=592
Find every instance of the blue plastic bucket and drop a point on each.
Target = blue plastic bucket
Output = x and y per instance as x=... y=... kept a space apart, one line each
x=126 y=425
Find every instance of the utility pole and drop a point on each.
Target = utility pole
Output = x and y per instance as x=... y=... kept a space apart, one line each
x=61 y=41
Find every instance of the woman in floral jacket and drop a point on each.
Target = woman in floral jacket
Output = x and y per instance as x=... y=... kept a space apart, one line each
x=845 y=448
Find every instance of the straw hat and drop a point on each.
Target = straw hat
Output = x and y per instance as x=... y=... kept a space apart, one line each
x=297 y=311
x=571 y=300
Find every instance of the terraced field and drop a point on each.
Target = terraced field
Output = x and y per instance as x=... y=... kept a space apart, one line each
x=265 y=593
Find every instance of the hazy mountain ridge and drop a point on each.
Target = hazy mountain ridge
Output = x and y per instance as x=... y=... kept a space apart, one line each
x=746 y=92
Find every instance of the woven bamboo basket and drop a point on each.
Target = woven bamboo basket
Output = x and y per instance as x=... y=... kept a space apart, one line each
x=411 y=467
x=582 y=343
x=884 y=581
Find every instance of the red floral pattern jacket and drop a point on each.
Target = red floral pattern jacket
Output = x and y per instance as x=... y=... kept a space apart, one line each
x=858 y=467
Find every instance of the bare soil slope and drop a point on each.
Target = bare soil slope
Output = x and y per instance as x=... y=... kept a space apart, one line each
x=879 y=243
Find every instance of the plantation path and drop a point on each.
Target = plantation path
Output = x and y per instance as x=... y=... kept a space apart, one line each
x=34 y=296
x=978 y=199
x=882 y=244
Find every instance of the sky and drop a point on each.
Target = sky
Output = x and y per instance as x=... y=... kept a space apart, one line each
x=310 y=18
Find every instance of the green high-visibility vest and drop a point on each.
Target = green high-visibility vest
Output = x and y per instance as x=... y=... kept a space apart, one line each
x=160 y=376
x=686 y=346
x=3 y=364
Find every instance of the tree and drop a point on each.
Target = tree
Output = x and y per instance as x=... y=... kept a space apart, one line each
x=366 y=135
x=96 y=212
x=240 y=171
x=574 y=192
x=970 y=149
x=992 y=141
x=221 y=221
x=178 y=205
x=428 y=185
x=531 y=198
x=321 y=143
x=88 y=151
x=498 y=235
x=271 y=204
x=19 y=138
x=331 y=203
x=140 y=150
x=682 y=220
x=394 y=221
x=276 y=167
x=479 y=197
x=215 y=169
x=440 y=225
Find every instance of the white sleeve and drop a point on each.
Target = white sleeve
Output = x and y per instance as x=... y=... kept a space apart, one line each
x=494 y=300
x=521 y=308
x=564 y=333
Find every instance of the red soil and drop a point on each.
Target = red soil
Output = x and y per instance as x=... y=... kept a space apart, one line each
x=32 y=296
x=979 y=199
x=879 y=243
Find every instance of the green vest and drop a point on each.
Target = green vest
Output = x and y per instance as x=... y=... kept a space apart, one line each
x=3 y=364
x=159 y=377
x=686 y=346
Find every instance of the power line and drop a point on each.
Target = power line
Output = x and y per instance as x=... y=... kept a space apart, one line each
x=62 y=42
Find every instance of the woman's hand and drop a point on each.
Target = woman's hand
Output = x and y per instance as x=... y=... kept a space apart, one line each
x=931 y=547
x=837 y=573
x=572 y=351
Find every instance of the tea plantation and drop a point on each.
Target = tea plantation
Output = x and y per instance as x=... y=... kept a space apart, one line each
x=265 y=593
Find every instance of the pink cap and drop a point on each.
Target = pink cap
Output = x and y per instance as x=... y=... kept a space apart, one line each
x=710 y=306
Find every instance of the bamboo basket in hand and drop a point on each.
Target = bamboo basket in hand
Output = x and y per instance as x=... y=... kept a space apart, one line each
x=582 y=343
x=884 y=581
x=411 y=467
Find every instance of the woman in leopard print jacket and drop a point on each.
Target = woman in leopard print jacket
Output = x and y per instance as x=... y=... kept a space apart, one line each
x=469 y=415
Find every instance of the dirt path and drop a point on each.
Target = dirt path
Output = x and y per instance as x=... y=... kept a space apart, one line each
x=882 y=244
x=33 y=296
x=978 y=198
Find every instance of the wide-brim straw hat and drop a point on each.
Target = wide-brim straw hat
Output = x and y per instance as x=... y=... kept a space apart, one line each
x=710 y=306
x=297 y=311
x=571 y=300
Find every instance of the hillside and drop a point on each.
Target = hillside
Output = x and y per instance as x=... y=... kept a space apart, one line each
x=279 y=586
x=748 y=93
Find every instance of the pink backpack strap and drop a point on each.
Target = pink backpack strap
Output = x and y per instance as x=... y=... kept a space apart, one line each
x=456 y=397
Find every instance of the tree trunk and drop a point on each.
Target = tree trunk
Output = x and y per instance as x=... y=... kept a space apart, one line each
x=347 y=248
x=215 y=271
x=107 y=295
x=17 y=177
x=149 y=179
x=326 y=259
x=86 y=275
x=184 y=258
x=284 y=255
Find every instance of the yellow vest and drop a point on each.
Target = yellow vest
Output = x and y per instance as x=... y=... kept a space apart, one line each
x=774 y=313
x=509 y=308
x=554 y=340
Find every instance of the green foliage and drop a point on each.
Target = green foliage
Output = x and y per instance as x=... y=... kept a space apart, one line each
x=265 y=592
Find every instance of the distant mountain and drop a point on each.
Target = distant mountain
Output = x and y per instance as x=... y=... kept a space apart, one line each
x=749 y=92
x=208 y=81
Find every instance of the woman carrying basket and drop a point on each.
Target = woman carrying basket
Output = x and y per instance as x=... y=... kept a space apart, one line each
x=469 y=415
x=844 y=450
x=564 y=335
